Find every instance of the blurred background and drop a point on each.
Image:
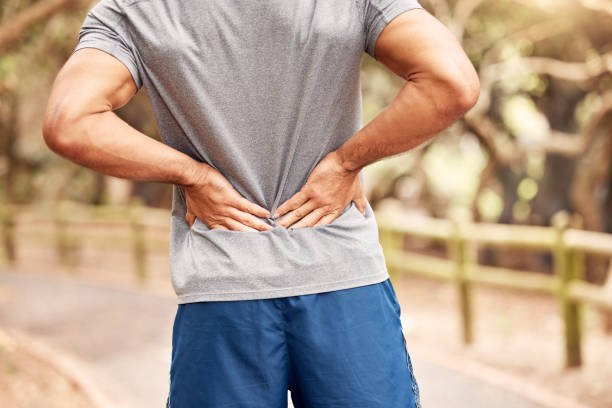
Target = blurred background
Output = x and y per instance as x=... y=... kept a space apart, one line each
x=497 y=232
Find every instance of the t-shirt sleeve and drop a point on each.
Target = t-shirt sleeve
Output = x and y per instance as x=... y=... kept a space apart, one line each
x=378 y=13
x=105 y=28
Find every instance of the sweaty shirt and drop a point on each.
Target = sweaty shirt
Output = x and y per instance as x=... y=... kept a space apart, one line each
x=261 y=90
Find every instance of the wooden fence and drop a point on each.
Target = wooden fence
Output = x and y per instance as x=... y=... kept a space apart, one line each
x=142 y=230
x=567 y=246
x=69 y=226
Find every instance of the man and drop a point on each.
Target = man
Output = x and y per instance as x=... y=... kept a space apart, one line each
x=274 y=251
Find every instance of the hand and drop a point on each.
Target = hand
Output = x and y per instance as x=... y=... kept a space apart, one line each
x=327 y=191
x=213 y=199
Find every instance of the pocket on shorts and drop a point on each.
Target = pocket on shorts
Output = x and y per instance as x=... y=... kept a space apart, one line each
x=391 y=296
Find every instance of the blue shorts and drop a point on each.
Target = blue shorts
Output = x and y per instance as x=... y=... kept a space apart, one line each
x=337 y=349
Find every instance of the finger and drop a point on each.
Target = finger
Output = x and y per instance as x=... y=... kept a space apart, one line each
x=309 y=220
x=248 y=219
x=218 y=226
x=326 y=219
x=297 y=214
x=237 y=226
x=292 y=203
x=250 y=207
x=190 y=218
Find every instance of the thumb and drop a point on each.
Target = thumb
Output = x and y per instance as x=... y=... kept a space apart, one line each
x=190 y=218
x=360 y=203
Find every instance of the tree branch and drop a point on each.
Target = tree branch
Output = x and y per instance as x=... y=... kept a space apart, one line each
x=462 y=12
x=12 y=30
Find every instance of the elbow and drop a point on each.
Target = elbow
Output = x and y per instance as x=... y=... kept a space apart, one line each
x=58 y=131
x=51 y=135
x=463 y=93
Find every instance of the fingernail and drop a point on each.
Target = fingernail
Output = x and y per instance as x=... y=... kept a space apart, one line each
x=276 y=214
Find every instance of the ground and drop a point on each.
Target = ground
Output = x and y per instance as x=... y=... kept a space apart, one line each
x=516 y=332
x=518 y=348
x=26 y=381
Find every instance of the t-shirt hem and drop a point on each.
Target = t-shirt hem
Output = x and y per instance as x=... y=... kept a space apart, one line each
x=284 y=292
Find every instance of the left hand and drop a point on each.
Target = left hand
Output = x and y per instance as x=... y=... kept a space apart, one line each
x=327 y=191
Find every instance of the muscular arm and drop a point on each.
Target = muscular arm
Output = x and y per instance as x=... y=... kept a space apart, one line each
x=441 y=86
x=80 y=124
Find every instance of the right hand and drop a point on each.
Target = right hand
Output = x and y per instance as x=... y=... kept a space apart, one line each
x=213 y=200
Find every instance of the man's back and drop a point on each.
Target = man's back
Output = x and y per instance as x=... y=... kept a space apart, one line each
x=262 y=91
x=259 y=90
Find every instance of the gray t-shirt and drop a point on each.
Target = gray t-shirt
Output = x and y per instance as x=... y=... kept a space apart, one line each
x=261 y=91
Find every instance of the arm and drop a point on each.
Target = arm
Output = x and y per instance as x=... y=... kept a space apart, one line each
x=441 y=86
x=80 y=124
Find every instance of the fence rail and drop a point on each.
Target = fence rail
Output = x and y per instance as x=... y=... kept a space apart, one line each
x=70 y=225
x=566 y=243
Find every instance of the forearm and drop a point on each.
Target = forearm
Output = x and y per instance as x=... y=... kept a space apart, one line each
x=105 y=143
x=421 y=109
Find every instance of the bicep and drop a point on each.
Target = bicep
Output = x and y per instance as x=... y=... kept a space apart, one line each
x=90 y=81
x=415 y=44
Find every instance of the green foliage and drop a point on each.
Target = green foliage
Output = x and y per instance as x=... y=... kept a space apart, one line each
x=526 y=106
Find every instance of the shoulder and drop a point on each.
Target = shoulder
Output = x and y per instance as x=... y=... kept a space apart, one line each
x=115 y=13
x=108 y=9
x=118 y=7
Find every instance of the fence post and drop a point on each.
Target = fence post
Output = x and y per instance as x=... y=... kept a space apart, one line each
x=7 y=220
x=568 y=266
x=139 y=249
x=460 y=252
x=66 y=243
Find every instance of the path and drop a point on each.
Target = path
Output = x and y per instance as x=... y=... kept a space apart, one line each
x=121 y=340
